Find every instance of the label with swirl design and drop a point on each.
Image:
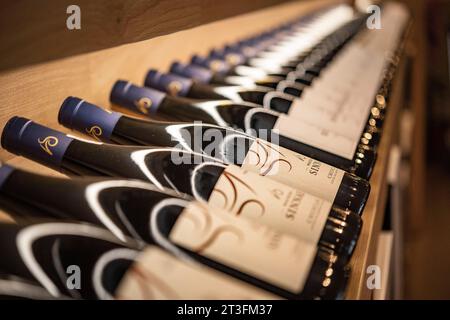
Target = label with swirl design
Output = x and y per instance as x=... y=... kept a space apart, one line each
x=277 y=205
x=293 y=169
x=157 y=274
x=247 y=246
x=316 y=136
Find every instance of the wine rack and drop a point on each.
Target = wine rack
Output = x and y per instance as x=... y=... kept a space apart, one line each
x=139 y=35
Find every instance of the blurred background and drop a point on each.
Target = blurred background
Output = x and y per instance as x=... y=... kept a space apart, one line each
x=428 y=246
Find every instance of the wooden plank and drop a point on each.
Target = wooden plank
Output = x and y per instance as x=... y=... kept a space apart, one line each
x=35 y=31
x=36 y=91
x=365 y=252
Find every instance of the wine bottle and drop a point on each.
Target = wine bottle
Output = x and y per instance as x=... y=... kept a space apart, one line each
x=235 y=64
x=206 y=76
x=291 y=87
x=310 y=140
x=133 y=207
x=119 y=205
x=222 y=67
x=230 y=146
x=302 y=67
x=240 y=192
x=256 y=46
x=330 y=113
x=183 y=87
x=294 y=41
x=345 y=90
x=81 y=261
x=176 y=85
x=50 y=252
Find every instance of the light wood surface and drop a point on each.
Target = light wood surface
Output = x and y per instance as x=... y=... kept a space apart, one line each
x=35 y=31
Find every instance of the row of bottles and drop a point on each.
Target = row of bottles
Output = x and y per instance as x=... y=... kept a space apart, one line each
x=226 y=182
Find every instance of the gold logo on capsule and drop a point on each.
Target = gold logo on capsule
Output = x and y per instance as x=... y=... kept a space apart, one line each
x=143 y=104
x=95 y=132
x=232 y=59
x=48 y=142
x=174 y=88
x=216 y=65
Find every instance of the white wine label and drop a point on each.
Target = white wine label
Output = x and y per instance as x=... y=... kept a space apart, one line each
x=159 y=275
x=341 y=114
x=293 y=169
x=247 y=246
x=340 y=100
x=292 y=211
x=342 y=108
x=316 y=136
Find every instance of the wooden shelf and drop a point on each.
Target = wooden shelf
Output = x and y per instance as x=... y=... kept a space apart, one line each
x=366 y=248
x=37 y=90
x=32 y=31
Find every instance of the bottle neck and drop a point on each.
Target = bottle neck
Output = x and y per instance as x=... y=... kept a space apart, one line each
x=171 y=83
x=108 y=126
x=197 y=137
x=131 y=131
x=150 y=102
x=208 y=92
x=163 y=167
x=218 y=142
x=142 y=100
x=290 y=87
x=96 y=159
x=279 y=102
x=80 y=115
x=121 y=206
x=29 y=195
x=199 y=74
x=269 y=81
x=254 y=95
x=181 y=109
x=36 y=142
